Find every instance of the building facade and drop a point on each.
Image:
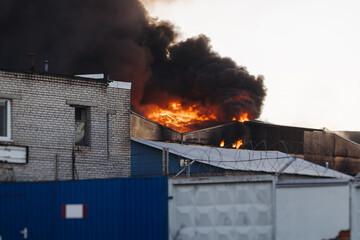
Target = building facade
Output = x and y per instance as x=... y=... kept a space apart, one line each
x=70 y=127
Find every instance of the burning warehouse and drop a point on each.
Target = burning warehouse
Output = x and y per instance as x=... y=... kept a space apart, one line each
x=195 y=94
x=184 y=85
x=320 y=146
x=197 y=160
x=192 y=110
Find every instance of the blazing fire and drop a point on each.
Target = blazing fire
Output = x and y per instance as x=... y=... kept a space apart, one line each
x=242 y=118
x=222 y=144
x=180 y=118
x=184 y=117
x=237 y=144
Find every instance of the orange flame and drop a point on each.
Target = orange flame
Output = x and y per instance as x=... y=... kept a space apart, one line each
x=178 y=117
x=237 y=144
x=244 y=117
x=222 y=144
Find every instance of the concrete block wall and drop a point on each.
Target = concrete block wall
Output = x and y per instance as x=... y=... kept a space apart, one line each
x=43 y=118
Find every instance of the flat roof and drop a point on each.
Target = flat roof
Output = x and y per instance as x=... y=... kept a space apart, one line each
x=112 y=83
x=52 y=75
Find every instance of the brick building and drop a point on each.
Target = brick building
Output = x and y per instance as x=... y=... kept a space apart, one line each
x=63 y=127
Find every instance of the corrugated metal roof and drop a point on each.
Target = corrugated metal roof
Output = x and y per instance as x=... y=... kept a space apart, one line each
x=246 y=160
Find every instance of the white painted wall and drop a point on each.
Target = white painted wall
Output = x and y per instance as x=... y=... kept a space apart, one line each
x=355 y=211
x=222 y=208
x=312 y=213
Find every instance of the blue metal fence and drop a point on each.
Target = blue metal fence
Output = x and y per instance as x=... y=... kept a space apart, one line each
x=126 y=208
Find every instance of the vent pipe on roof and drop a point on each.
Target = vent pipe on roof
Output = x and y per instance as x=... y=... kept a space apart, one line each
x=46 y=65
x=106 y=76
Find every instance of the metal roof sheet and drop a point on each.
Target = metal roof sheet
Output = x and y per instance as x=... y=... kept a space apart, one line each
x=246 y=160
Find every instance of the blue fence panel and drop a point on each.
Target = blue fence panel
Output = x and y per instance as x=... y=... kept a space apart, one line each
x=126 y=208
x=40 y=208
x=26 y=205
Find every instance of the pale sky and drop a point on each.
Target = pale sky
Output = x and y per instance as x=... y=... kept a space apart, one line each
x=307 y=50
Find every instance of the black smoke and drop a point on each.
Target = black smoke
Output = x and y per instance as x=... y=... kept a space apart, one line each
x=118 y=37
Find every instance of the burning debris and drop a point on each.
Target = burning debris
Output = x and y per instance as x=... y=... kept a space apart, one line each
x=237 y=144
x=184 y=85
x=179 y=118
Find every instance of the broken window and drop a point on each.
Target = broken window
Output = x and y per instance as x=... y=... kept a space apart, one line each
x=4 y=119
x=81 y=126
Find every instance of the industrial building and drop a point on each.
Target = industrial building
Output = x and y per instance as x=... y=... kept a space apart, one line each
x=185 y=185
x=155 y=158
x=320 y=146
x=56 y=127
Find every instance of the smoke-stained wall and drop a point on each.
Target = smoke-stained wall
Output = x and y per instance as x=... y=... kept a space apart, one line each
x=332 y=149
x=143 y=128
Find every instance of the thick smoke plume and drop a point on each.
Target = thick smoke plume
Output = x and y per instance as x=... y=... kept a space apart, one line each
x=119 y=38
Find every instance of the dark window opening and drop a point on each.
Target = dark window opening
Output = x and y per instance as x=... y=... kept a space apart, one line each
x=4 y=118
x=81 y=126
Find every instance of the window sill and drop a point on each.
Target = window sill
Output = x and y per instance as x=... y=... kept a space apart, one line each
x=6 y=141
x=81 y=148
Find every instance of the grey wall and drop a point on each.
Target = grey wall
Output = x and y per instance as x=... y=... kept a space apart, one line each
x=340 y=153
x=146 y=129
x=312 y=211
x=43 y=119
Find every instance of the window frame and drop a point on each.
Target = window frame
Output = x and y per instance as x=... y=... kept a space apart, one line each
x=8 y=121
x=86 y=125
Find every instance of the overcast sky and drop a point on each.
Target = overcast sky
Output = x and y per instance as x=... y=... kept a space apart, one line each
x=308 y=51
